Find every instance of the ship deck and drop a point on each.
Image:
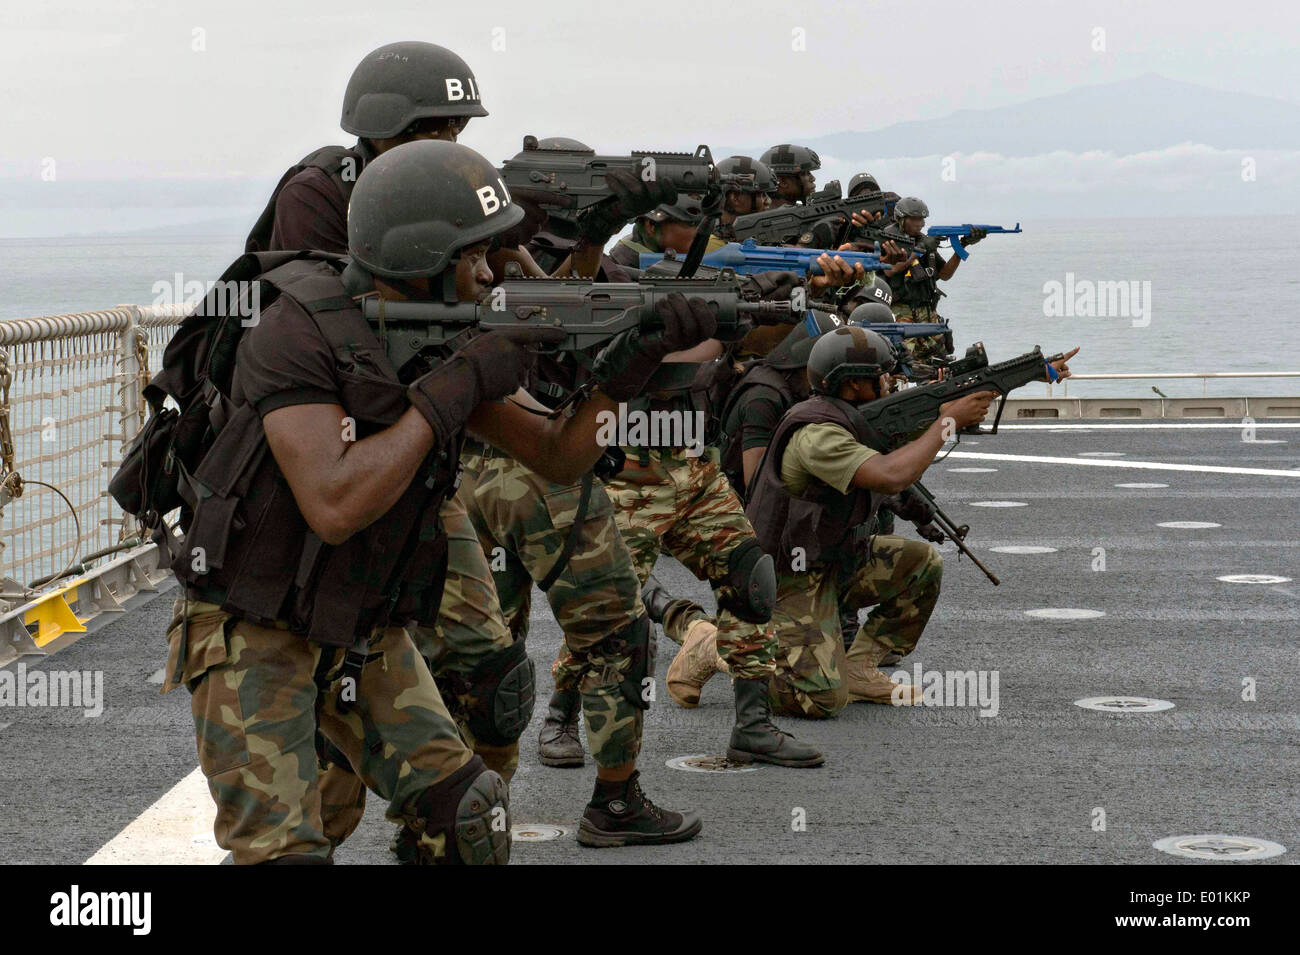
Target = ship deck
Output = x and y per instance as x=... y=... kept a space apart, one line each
x=900 y=785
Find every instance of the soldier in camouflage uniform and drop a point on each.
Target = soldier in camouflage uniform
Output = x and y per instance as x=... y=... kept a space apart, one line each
x=817 y=487
x=914 y=280
x=677 y=500
x=669 y=227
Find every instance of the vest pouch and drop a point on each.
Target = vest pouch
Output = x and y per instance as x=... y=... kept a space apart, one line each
x=360 y=387
x=220 y=483
x=139 y=486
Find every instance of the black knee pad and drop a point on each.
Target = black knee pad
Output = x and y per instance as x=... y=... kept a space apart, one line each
x=471 y=807
x=636 y=640
x=502 y=692
x=749 y=589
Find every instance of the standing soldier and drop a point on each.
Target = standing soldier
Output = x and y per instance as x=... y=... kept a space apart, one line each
x=323 y=490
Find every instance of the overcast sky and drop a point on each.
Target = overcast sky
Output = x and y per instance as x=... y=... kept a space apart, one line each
x=120 y=89
x=119 y=81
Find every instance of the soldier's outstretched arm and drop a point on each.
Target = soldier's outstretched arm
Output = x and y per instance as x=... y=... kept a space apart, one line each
x=342 y=485
x=891 y=473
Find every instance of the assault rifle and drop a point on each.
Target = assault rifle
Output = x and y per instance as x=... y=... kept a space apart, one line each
x=896 y=418
x=590 y=313
x=955 y=233
x=921 y=244
x=750 y=258
x=785 y=225
x=579 y=175
x=951 y=530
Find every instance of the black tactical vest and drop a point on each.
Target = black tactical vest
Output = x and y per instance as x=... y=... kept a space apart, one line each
x=334 y=160
x=260 y=559
x=822 y=524
x=731 y=452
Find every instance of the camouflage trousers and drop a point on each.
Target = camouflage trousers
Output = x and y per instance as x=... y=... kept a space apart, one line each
x=901 y=579
x=685 y=506
x=260 y=694
x=523 y=522
x=923 y=350
x=469 y=628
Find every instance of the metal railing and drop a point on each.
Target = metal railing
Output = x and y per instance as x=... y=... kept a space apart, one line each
x=70 y=399
x=1204 y=376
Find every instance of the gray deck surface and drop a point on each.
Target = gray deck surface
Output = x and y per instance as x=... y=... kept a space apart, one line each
x=900 y=785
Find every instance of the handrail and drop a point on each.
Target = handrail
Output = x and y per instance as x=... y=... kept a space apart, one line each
x=1204 y=376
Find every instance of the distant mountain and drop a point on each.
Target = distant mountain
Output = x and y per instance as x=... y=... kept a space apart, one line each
x=1129 y=116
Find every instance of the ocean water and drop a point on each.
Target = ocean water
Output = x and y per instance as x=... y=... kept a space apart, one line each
x=1217 y=294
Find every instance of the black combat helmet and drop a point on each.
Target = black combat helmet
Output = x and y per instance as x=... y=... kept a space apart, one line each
x=764 y=179
x=399 y=83
x=558 y=142
x=793 y=350
x=874 y=289
x=848 y=352
x=790 y=160
x=687 y=208
x=872 y=313
x=418 y=204
x=911 y=207
x=864 y=181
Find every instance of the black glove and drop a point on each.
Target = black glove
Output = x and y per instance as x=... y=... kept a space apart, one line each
x=491 y=366
x=976 y=233
x=772 y=287
x=534 y=202
x=632 y=197
x=624 y=366
x=913 y=506
x=931 y=533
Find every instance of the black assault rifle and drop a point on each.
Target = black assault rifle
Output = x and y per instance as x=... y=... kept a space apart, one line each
x=785 y=225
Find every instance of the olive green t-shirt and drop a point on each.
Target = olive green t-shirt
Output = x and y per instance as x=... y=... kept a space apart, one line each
x=823 y=452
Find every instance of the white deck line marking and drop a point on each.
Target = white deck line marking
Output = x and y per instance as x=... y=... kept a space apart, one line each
x=176 y=830
x=1108 y=463
x=1209 y=425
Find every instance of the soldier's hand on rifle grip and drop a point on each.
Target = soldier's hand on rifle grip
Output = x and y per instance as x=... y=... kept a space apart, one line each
x=968 y=410
x=491 y=366
x=630 y=360
x=632 y=197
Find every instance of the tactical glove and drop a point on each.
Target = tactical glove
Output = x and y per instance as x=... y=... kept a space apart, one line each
x=976 y=234
x=491 y=366
x=931 y=533
x=772 y=287
x=632 y=197
x=625 y=365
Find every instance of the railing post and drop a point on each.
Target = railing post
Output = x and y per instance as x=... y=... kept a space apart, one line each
x=134 y=372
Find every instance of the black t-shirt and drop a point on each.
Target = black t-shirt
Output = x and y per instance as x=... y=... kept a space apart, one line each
x=284 y=360
x=310 y=213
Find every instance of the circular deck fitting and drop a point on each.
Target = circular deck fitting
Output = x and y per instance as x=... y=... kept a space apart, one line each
x=703 y=763
x=971 y=470
x=1189 y=525
x=541 y=832
x=1102 y=454
x=1124 y=704
x=1023 y=549
x=1065 y=613
x=998 y=504
x=1219 y=848
x=1141 y=484
x=1254 y=579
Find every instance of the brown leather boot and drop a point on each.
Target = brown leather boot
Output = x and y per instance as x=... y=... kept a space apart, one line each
x=867 y=683
x=694 y=664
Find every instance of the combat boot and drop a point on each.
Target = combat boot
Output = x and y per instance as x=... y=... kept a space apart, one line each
x=657 y=600
x=866 y=683
x=558 y=743
x=695 y=663
x=756 y=738
x=620 y=814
